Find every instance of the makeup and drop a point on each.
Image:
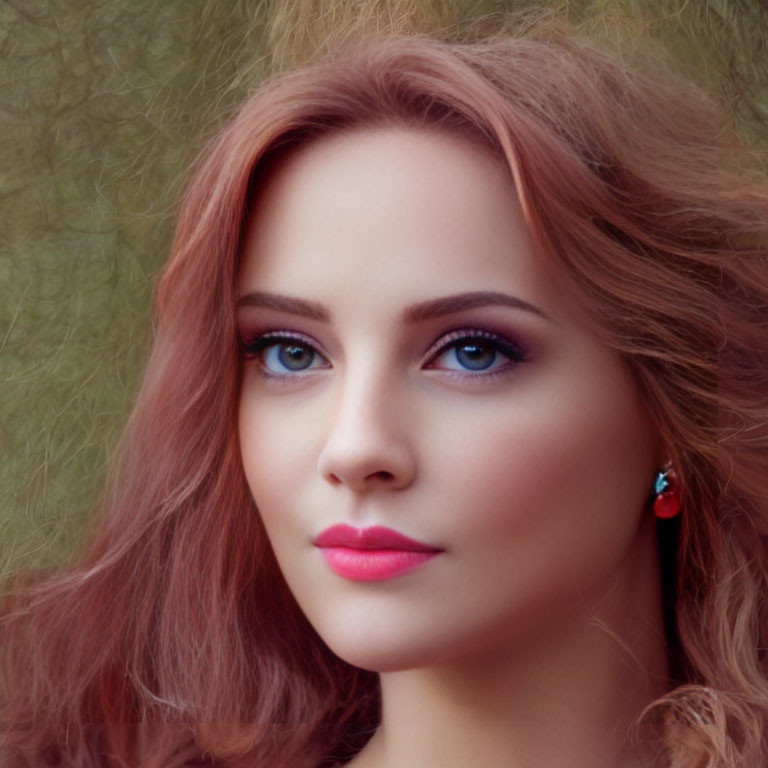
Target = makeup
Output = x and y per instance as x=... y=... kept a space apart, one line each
x=372 y=554
x=510 y=454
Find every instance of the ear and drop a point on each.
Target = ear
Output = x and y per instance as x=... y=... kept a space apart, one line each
x=663 y=454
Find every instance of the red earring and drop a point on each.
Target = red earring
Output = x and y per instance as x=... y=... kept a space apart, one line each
x=668 y=502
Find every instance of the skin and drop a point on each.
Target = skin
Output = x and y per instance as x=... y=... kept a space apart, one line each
x=537 y=636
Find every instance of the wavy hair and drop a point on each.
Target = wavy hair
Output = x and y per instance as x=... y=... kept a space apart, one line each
x=175 y=633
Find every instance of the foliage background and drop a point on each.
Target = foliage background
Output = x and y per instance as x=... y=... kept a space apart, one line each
x=104 y=105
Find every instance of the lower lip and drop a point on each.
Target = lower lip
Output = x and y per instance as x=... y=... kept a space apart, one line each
x=373 y=564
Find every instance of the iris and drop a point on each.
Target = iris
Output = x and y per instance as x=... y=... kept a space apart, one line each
x=294 y=357
x=475 y=356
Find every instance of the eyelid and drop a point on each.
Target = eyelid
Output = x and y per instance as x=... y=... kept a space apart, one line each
x=275 y=336
x=510 y=348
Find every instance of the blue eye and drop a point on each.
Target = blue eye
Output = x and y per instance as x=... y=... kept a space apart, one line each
x=282 y=355
x=476 y=352
x=472 y=353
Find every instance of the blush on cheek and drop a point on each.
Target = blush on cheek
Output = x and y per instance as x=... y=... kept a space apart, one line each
x=510 y=480
x=570 y=461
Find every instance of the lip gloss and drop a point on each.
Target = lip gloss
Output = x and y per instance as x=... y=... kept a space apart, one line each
x=373 y=564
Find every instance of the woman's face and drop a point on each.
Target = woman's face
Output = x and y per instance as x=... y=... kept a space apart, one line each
x=411 y=363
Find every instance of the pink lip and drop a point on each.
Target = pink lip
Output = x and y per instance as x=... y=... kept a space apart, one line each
x=372 y=554
x=377 y=537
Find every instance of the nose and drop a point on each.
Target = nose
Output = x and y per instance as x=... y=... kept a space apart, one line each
x=368 y=445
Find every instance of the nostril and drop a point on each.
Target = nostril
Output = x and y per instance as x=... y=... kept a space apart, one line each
x=383 y=475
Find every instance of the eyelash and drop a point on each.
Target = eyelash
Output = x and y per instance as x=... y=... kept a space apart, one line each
x=254 y=349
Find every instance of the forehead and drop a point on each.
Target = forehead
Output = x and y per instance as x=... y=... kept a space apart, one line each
x=399 y=212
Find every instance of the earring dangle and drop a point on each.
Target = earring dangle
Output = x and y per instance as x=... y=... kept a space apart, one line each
x=667 y=502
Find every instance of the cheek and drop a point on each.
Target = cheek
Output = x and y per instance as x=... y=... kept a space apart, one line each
x=562 y=477
x=268 y=449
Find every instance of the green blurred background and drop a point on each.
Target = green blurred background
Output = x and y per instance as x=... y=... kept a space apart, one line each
x=104 y=107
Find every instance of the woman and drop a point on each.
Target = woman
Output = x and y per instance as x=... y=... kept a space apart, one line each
x=503 y=299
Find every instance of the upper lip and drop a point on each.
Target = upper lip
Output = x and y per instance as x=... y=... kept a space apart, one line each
x=376 y=537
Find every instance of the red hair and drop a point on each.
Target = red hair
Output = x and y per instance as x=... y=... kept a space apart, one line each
x=175 y=629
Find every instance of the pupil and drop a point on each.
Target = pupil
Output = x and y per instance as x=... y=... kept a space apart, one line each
x=295 y=357
x=475 y=356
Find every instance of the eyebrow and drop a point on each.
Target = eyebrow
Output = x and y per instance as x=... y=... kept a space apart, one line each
x=281 y=303
x=426 y=310
x=414 y=313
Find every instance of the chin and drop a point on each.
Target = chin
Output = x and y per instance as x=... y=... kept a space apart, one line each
x=375 y=649
x=381 y=658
